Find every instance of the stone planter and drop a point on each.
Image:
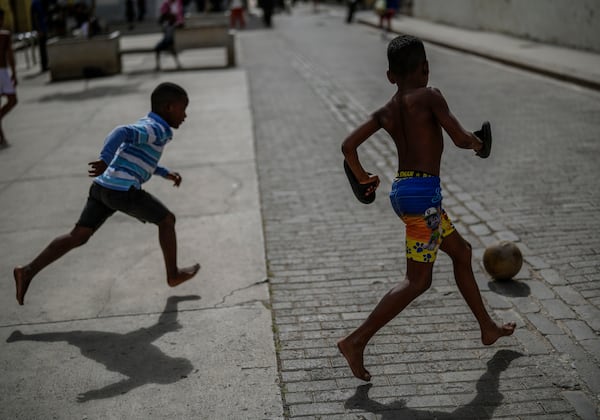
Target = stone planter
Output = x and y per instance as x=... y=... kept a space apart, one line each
x=77 y=58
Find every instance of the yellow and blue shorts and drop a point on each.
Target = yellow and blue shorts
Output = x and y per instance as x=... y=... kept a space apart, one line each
x=417 y=199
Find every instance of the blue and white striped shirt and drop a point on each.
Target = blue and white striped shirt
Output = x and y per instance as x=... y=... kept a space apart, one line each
x=132 y=153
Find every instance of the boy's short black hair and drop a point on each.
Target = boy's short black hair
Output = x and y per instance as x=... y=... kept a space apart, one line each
x=166 y=93
x=405 y=53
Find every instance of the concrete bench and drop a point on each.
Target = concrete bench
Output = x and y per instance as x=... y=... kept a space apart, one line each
x=76 y=58
x=207 y=32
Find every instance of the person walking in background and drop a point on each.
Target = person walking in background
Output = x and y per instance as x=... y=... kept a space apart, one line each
x=267 y=7
x=39 y=22
x=128 y=159
x=236 y=14
x=387 y=14
x=130 y=13
x=168 y=20
x=8 y=76
x=351 y=6
x=141 y=10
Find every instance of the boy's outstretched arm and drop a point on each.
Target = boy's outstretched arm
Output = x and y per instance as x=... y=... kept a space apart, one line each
x=350 y=146
x=461 y=137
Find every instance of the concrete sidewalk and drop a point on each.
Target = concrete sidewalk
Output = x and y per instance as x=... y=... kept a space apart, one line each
x=101 y=334
x=580 y=67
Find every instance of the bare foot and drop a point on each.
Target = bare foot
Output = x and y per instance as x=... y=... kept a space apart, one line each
x=22 y=280
x=489 y=337
x=354 y=358
x=183 y=274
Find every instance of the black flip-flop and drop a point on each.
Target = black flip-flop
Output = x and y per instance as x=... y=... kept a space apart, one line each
x=485 y=135
x=360 y=190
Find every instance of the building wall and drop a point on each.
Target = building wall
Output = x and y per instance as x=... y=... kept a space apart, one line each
x=570 y=23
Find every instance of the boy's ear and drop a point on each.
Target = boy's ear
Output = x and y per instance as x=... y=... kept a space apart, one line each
x=391 y=77
x=426 y=68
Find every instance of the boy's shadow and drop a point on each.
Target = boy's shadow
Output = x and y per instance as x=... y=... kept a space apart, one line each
x=131 y=354
x=484 y=404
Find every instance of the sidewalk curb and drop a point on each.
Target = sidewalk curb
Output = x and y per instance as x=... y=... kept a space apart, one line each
x=491 y=54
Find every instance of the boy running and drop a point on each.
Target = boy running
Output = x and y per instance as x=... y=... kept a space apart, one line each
x=414 y=119
x=128 y=159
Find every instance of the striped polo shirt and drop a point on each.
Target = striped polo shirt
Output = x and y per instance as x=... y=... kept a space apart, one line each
x=132 y=153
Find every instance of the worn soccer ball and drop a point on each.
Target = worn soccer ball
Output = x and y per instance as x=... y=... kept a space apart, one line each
x=502 y=260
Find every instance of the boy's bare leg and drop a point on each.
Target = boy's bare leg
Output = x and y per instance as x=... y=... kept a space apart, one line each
x=460 y=251
x=5 y=109
x=55 y=249
x=168 y=244
x=417 y=281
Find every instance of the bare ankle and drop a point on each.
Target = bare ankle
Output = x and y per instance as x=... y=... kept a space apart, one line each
x=183 y=275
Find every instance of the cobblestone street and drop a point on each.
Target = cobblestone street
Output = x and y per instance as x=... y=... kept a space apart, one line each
x=331 y=259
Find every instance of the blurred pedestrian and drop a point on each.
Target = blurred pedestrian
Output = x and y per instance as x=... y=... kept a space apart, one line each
x=236 y=14
x=130 y=13
x=39 y=22
x=267 y=7
x=169 y=22
x=8 y=76
x=414 y=118
x=389 y=11
x=128 y=159
x=141 y=10
x=351 y=5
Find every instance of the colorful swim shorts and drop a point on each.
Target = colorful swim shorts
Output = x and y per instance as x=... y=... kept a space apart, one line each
x=417 y=199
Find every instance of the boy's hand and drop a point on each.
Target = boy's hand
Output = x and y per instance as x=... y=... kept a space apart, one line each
x=175 y=177
x=364 y=191
x=96 y=168
x=485 y=135
x=372 y=182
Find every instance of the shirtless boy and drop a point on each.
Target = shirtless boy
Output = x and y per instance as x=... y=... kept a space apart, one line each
x=128 y=159
x=414 y=119
x=8 y=79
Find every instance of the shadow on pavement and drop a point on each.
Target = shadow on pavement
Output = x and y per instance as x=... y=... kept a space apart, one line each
x=484 y=404
x=510 y=288
x=131 y=354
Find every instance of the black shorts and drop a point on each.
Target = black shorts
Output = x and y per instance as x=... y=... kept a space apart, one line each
x=103 y=202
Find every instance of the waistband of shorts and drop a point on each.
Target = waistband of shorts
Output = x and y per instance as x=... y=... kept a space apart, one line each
x=413 y=174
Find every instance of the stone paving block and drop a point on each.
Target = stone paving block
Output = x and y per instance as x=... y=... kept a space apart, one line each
x=586 y=366
x=580 y=330
x=540 y=291
x=536 y=262
x=557 y=309
x=505 y=235
x=570 y=296
x=590 y=314
x=552 y=277
x=584 y=407
x=480 y=229
x=532 y=343
x=526 y=305
x=544 y=324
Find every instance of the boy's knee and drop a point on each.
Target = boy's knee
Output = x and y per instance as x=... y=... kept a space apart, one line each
x=465 y=252
x=419 y=284
x=168 y=220
x=80 y=236
x=468 y=249
x=422 y=285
